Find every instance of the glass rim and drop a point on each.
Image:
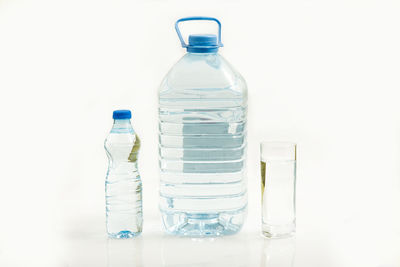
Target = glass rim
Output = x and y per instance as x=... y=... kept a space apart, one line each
x=270 y=151
x=278 y=143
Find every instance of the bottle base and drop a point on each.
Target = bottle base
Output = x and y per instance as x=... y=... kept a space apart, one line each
x=123 y=235
x=203 y=224
x=279 y=231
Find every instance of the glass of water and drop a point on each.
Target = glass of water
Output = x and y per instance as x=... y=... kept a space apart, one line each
x=278 y=188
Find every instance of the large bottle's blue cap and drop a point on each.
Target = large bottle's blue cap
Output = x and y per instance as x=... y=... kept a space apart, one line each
x=122 y=114
x=200 y=43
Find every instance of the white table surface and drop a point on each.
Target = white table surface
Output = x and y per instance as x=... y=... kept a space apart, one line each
x=326 y=242
x=324 y=238
x=350 y=244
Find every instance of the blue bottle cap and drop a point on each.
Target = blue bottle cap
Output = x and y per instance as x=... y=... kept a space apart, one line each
x=202 y=43
x=122 y=114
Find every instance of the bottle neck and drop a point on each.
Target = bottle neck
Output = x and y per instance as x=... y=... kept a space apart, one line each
x=202 y=53
x=122 y=122
x=122 y=125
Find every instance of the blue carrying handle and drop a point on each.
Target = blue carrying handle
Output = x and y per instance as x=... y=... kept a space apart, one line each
x=197 y=18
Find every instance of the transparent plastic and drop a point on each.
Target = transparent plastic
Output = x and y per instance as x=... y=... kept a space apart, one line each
x=123 y=183
x=278 y=189
x=202 y=147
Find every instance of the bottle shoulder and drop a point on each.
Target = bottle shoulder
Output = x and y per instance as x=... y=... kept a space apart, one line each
x=120 y=139
x=122 y=147
x=202 y=73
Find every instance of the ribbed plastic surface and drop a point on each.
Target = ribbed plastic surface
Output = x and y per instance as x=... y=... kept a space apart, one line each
x=123 y=183
x=202 y=144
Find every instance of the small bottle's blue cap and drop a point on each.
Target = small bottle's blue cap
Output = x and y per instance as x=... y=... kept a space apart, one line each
x=202 y=43
x=122 y=114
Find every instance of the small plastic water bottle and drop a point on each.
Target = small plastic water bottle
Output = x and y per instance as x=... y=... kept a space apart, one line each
x=123 y=183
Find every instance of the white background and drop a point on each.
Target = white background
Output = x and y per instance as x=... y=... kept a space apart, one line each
x=325 y=74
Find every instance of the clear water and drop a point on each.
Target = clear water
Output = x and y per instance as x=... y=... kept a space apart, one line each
x=123 y=183
x=202 y=145
x=278 y=197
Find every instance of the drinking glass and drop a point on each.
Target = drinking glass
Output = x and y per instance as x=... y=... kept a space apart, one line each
x=278 y=188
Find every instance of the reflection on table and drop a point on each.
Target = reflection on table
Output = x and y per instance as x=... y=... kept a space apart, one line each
x=278 y=252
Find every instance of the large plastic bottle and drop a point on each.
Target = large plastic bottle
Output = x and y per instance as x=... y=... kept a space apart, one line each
x=123 y=183
x=202 y=141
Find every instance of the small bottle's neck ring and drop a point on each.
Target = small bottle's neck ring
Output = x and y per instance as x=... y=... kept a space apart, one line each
x=121 y=122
